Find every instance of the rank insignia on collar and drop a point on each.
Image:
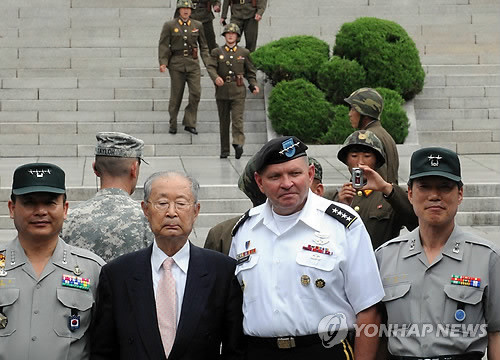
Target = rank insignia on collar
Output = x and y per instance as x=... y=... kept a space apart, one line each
x=75 y=282
x=466 y=281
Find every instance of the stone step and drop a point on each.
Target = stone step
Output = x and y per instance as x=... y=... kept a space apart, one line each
x=427 y=114
x=457 y=124
x=454 y=136
x=457 y=103
x=462 y=69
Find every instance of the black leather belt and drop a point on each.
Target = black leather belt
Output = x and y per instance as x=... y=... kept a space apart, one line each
x=285 y=342
x=468 y=356
x=182 y=52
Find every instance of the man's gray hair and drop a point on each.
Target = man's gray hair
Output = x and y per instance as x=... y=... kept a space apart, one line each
x=195 y=185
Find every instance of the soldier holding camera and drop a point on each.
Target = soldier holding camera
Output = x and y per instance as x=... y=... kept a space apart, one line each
x=383 y=207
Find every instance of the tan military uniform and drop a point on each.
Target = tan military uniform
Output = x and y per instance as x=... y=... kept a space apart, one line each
x=219 y=237
x=420 y=294
x=388 y=171
x=231 y=64
x=39 y=308
x=384 y=217
x=179 y=45
x=243 y=14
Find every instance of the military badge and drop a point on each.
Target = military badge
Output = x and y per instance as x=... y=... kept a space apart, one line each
x=466 y=281
x=195 y=30
x=434 y=160
x=320 y=283
x=221 y=57
x=317 y=249
x=288 y=147
x=246 y=253
x=77 y=270
x=305 y=280
x=3 y=320
x=75 y=282
x=176 y=30
x=74 y=322
x=321 y=239
x=2 y=265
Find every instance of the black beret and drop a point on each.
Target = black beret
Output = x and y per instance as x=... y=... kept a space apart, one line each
x=280 y=150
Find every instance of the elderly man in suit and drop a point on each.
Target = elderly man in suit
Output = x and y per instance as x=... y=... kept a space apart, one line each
x=171 y=300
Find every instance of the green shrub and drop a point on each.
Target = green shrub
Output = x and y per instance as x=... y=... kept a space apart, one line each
x=291 y=58
x=394 y=118
x=339 y=127
x=340 y=77
x=299 y=108
x=387 y=53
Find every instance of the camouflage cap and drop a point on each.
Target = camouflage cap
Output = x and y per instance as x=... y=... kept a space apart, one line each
x=435 y=161
x=38 y=177
x=363 y=138
x=366 y=101
x=231 y=28
x=318 y=169
x=247 y=184
x=280 y=150
x=118 y=145
x=184 y=4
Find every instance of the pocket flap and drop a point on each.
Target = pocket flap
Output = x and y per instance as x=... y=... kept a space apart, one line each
x=75 y=299
x=465 y=294
x=252 y=261
x=323 y=262
x=8 y=296
x=394 y=292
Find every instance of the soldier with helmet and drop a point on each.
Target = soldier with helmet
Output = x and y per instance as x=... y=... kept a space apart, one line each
x=383 y=207
x=180 y=42
x=230 y=64
x=366 y=107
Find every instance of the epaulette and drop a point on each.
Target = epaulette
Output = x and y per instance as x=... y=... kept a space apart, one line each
x=87 y=255
x=341 y=215
x=477 y=240
x=240 y=222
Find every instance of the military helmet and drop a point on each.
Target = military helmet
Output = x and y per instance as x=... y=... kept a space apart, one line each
x=247 y=184
x=184 y=4
x=363 y=138
x=231 y=28
x=367 y=102
x=318 y=169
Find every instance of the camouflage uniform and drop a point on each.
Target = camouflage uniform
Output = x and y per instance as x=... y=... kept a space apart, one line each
x=231 y=64
x=178 y=50
x=243 y=14
x=370 y=103
x=110 y=224
x=383 y=216
x=202 y=11
x=219 y=237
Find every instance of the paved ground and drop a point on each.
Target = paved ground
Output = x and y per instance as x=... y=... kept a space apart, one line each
x=214 y=171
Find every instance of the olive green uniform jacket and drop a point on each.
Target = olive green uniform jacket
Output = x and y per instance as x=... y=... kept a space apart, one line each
x=383 y=217
x=243 y=10
x=388 y=171
x=219 y=237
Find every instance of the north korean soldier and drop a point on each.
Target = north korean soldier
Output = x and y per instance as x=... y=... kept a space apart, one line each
x=317 y=183
x=181 y=41
x=230 y=64
x=305 y=265
x=47 y=287
x=202 y=11
x=383 y=207
x=246 y=14
x=111 y=223
x=441 y=283
x=366 y=107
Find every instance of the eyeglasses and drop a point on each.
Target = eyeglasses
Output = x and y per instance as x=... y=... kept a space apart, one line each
x=163 y=205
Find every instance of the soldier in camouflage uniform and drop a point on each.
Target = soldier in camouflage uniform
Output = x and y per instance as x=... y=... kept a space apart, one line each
x=366 y=107
x=219 y=236
x=246 y=14
x=180 y=40
x=111 y=223
x=317 y=184
x=383 y=207
x=202 y=11
x=229 y=65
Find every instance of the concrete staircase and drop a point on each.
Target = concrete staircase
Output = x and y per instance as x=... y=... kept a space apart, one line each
x=70 y=68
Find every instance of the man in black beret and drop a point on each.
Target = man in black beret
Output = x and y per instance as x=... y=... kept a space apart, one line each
x=301 y=260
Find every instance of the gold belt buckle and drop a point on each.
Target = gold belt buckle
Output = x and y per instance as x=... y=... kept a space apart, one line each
x=286 y=342
x=229 y=79
x=186 y=52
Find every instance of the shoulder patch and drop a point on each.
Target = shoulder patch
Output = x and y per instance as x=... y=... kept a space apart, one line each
x=341 y=215
x=240 y=222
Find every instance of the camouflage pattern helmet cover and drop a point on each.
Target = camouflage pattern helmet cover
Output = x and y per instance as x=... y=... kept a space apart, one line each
x=231 y=28
x=366 y=101
x=318 y=169
x=247 y=184
x=184 y=4
x=363 y=138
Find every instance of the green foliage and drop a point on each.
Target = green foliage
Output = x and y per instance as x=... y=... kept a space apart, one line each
x=394 y=118
x=291 y=58
x=338 y=78
x=299 y=108
x=339 y=127
x=387 y=53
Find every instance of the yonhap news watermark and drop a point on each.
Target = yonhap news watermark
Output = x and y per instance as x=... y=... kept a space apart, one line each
x=332 y=329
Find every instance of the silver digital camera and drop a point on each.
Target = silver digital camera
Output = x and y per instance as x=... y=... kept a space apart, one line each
x=357 y=179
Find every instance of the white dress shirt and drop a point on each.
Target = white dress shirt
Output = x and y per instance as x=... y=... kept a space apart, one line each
x=179 y=271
